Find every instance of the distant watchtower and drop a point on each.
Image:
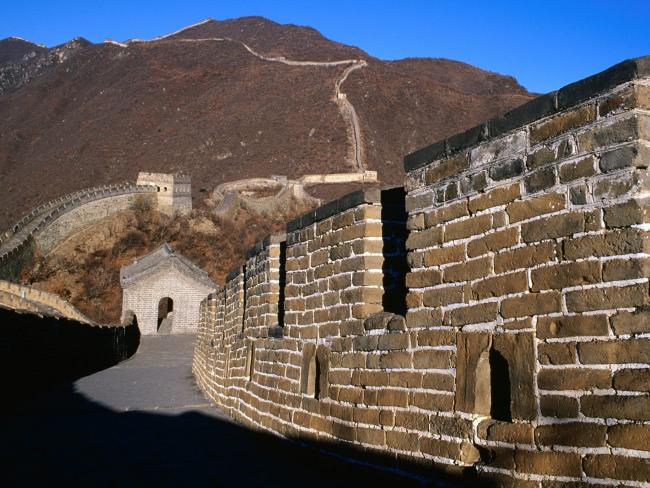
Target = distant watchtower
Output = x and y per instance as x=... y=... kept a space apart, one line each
x=174 y=191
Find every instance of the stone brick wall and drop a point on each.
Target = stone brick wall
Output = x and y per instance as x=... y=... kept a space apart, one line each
x=523 y=354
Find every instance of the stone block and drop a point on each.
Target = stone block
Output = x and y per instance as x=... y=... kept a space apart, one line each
x=444 y=255
x=541 y=157
x=466 y=228
x=606 y=135
x=506 y=170
x=549 y=463
x=615 y=352
x=632 y=379
x=446 y=168
x=577 y=434
x=626 y=214
x=443 y=296
x=500 y=285
x=616 y=407
x=472 y=314
x=629 y=436
x=540 y=180
x=534 y=207
x=494 y=198
x=572 y=326
x=423 y=278
x=553 y=227
x=524 y=257
x=637 y=155
x=615 y=467
x=556 y=353
x=469 y=270
x=447 y=213
x=574 y=170
x=531 y=304
x=493 y=242
x=512 y=433
x=607 y=298
x=612 y=243
x=559 y=406
x=426 y=238
x=625 y=322
x=573 y=379
x=562 y=123
x=564 y=275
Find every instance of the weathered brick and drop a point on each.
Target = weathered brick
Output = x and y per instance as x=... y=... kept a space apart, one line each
x=524 y=257
x=573 y=379
x=466 y=228
x=625 y=241
x=396 y=359
x=494 y=198
x=632 y=379
x=556 y=353
x=473 y=314
x=443 y=296
x=423 y=278
x=403 y=441
x=541 y=157
x=392 y=398
x=393 y=341
x=562 y=123
x=559 y=406
x=625 y=322
x=574 y=170
x=540 y=180
x=572 y=326
x=629 y=436
x=425 y=238
x=493 y=242
x=446 y=213
x=548 y=463
x=578 y=194
x=617 y=407
x=446 y=168
x=435 y=337
x=423 y=318
x=444 y=255
x=607 y=135
x=469 y=270
x=553 y=227
x=607 y=298
x=626 y=269
x=623 y=157
x=433 y=359
x=512 y=433
x=617 y=467
x=500 y=285
x=507 y=169
x=534 y=207
x=531 y=304
x=626 y=214
x=419 y=201
x=578 y=434
x=564 y=275
x=615 y=352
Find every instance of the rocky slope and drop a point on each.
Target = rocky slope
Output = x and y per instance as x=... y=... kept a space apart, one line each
x=84 y=114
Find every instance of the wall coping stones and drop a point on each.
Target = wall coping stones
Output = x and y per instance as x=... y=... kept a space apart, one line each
x=540 y=107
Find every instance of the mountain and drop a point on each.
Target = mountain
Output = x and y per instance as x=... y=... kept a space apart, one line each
x=222 y=101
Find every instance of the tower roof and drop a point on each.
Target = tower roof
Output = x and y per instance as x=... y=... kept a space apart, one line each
x=163 y=257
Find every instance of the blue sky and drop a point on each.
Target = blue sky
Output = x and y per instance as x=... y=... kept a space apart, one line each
x=545 y=45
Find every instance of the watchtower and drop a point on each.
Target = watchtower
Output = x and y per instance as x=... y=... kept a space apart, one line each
x=174 y=191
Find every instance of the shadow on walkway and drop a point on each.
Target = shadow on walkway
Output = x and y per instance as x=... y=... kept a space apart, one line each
x=80 y=443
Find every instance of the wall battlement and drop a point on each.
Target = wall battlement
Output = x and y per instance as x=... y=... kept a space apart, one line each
x=48 y=225
x=519 y=353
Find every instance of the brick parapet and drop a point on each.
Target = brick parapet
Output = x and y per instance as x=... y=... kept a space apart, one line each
x=523 y=356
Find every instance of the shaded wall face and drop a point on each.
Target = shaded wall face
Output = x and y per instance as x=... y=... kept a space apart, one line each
x=523 y=353
x=143 y=298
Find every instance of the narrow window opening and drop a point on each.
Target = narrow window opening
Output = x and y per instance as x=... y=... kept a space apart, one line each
x=283 y=282
x=500 y=393
x=394 y=234
x=250 y=361
x=243 y=313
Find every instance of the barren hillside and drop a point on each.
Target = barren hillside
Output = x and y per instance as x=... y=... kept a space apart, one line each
x=84 y=114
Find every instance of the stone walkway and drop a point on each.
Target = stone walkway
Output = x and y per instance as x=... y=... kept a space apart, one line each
x=144 y=423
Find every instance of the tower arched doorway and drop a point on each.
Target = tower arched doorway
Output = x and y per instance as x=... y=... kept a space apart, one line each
x=165 y=315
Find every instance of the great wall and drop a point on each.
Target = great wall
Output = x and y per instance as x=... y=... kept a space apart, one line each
x=488 y=321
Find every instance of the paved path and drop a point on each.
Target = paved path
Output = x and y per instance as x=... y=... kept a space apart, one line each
x=144 y=423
